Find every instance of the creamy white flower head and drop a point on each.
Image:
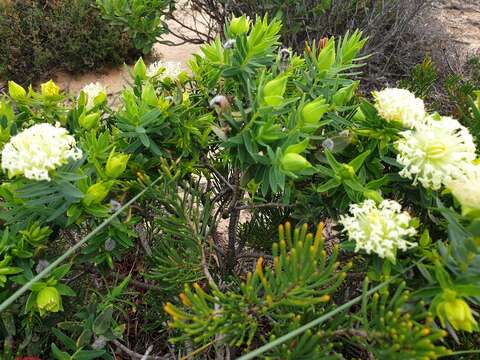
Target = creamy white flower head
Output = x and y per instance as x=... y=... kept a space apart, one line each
x=436 y=152
x=381 y=229
x=93 y=90
x=164 y=69
x=467 y=190
x=38 y=150
x=399 y=105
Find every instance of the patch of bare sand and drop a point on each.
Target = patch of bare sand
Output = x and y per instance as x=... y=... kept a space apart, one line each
x=115 y=79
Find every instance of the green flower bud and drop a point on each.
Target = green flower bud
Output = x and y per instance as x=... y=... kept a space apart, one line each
x=239 y=25
x=7 y=110
x=88 y=122
x=373 y=195
x=49 y=89
x=477 y=101
x=17 y=92
x=48 y=300
x=116 y=165
x=95 y=194
x=100 y=99
x=347 y=172
x=140 y=69
x=326 y=58
x=294 y=163
x=149 y=96
x=458 y=313
x=313 y=111
x=274 y=89
x=344 y=95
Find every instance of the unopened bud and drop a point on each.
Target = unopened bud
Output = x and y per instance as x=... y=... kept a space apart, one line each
x=294 y=163
x=373 y=195
x=458 y=313
x=89 y=121
x=273 y=91
x=48 y=300
x=17 y=92
x=326 y=58
x=344 y=95
x=239 y=25
x=347 y=172
x=116 y=165
x=96 y=193
x=313 y=111
x=140 y=69
x=49 y=89
x=148 y=95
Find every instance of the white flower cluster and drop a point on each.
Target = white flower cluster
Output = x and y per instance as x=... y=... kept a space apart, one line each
x=93 y=90
x=379 y=229
x=467 y=190
x=38 y=150
x=399 y=105
x=165 y=69
x=436 y=152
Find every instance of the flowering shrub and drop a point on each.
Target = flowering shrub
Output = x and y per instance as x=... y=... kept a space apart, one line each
x=112 y=219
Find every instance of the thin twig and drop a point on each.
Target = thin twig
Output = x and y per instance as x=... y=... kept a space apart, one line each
x=220 y=176
x=259 y=206
x=206 y=271
x=135 y=355
x=149 y=350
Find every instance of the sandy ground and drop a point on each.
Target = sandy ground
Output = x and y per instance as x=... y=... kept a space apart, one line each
x=115 y=79
x=459 y=24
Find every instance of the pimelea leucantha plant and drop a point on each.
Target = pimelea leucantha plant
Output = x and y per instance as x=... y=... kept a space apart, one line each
x=165 y=205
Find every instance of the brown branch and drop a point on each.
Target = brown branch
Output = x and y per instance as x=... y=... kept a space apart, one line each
x=220 y=176
x=231 y=254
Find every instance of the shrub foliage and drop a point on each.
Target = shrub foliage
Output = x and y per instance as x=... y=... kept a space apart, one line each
x=41 y=36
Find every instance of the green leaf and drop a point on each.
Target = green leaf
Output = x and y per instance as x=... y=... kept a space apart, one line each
x=117 y=290
x=68 y=189
x=144 y=139
x=297 y=148
x=334 y=164
x=58 y=354
x=89 y=354
x=354 y=185
x=69 y=343
x=103 y=321
x=467 y=290
x=61 y=271
x=85 y=338
x=65 y=290
x=359 y=160
x=330 y=184
x=150 y=116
